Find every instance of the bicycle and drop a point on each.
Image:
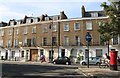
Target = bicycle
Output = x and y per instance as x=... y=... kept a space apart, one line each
x=104 y=63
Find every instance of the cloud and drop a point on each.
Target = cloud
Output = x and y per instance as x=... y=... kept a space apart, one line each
x=5 y=12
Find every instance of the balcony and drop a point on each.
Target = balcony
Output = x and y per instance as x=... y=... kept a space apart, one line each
x=49 y=44
x=72 y=44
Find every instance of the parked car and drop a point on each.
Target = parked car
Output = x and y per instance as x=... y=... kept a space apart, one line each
x=62 y=60
x=92 y=60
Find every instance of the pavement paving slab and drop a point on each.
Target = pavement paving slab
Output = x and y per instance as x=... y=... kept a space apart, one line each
x=100 y=72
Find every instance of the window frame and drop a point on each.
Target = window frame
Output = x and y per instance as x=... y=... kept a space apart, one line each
x=75 y=28
x=66 y=27
x=34 y=29
x=89 y=25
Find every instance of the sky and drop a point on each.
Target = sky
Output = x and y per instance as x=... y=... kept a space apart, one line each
x=17 y=9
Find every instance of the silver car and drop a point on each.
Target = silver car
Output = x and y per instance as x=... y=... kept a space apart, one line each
x=92 y=60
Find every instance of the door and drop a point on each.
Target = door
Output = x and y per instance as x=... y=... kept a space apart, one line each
x=51 y=52
x=6 y=56
x=34 y=54
x=63 y=53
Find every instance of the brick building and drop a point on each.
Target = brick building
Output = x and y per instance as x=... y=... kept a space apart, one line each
x=29 y=38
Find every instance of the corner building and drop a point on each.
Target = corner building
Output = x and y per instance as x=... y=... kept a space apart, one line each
x=53 y=36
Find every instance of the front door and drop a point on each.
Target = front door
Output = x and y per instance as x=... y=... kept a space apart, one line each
x=51 y=52
x=34 y=54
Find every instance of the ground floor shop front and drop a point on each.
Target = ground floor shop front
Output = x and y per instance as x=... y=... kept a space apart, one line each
x=75 y=53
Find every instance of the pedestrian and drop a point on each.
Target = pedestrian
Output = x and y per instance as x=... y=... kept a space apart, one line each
x=42 y=58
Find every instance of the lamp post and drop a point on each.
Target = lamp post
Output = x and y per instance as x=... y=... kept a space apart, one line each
x=88 y=39
x=51 y=53
x=58 y=37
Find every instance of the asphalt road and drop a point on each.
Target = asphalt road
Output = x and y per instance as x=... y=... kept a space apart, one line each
x=27 y=70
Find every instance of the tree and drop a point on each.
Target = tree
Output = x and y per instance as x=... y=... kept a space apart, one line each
x=111 y=28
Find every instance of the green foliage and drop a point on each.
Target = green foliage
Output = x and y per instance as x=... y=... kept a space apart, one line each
x=108 y=29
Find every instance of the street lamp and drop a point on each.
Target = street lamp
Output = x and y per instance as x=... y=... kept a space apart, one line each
x=58 y=38
x=88 y=39
x=51 y=53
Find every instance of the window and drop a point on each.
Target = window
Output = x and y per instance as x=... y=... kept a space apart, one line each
x=16 y=42
x=25 y=30
x=54 y=28
x=41 y=52
x=17 y=31
x=54 y=41
x=99 y=53
x=34 y=29
x=10 y=32
x=13 y=54
x=22 y=53
x=44 y=41
x=18 y=22
x=88 y=25
x=77 y=39
x=94 y=14
x=46 y=18
x=35 y=20
x=28 y=21
x=115 y=40
x=9 y=42
x=2 y=32
x=33 y=42
x=45 y=29
x=1 y=43
x=77 y=26
x=25 y=41
x=29 y=42
x=66 y=27
x=11 y=23
x=66 y=40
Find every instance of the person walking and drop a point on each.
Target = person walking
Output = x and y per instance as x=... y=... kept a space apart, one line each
x=42 y=58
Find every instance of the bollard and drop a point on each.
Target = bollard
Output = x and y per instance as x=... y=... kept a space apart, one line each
x=113 y=59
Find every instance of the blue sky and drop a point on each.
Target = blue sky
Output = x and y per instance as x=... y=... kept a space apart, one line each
x=17 y=9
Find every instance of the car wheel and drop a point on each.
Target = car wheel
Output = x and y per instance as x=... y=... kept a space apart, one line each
x=54 y=62
x=83 y=63
x=97 y=63
x=67 y=63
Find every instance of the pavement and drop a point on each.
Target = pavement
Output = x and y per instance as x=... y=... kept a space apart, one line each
x=91 y=72
x=96 y=72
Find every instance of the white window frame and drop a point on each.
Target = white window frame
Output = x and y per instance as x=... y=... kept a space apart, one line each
x=25 y=41
x=35 y=20
x=33 y=41
x=77 y=40
x=66 y=40
x=10 y=32
x=9 y=42
x=46 y=18
x=11 y=23
x=54 y=28
x=15 y=42
x=34 y=29
x=28 y=20
x=17 y=31
x=18 y=22
x=89 y=25
x=66 y=26
x=45 y=29
x=75 y=26
x=2 y=32
x=25 y=30
x=94 y=14
x=1 y=42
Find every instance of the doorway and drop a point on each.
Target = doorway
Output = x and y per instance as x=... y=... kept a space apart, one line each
x=51 y=53
x=33 y=54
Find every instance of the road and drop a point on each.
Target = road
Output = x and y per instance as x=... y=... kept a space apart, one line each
x=40 y=70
